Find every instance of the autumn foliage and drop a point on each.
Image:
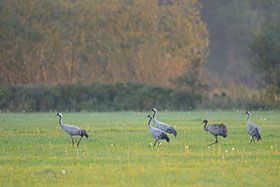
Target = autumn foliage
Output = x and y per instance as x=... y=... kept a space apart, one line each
x=63 y=41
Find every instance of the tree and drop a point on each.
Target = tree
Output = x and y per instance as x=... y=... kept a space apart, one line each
x=230 y=24
x=48 y=42
x=265 y=48
x=193 y=79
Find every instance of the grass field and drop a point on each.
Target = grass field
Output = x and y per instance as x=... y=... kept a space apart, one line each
x=34 y=150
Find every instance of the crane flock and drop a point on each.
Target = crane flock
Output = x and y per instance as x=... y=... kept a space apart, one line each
x=161 y=129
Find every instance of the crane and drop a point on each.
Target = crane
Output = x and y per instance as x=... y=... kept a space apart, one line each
x=163 y=126
x=216 y=130
x=72 y=130
x=252 y=129
x=157 y=134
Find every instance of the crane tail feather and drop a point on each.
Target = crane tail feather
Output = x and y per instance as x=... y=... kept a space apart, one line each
x=164 y=136
x=223 y=130
x=258 y=137
x=84 y=133
x=257 y=134
x=172 y=131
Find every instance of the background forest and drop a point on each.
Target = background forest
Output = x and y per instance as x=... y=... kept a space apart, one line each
x=133 y=55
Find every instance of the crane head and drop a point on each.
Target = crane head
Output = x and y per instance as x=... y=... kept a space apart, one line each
x=154 y=110
x=205 y=121
x=59 y=114
x=249 y=113
x=150 y=116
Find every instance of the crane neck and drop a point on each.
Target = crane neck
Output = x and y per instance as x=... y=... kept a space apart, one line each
x=204 y=127
x=154 y=116
x=248 y=120
x=149 y=123
x=60 y=121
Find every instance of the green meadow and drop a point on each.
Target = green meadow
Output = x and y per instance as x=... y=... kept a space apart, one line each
x=35 y=151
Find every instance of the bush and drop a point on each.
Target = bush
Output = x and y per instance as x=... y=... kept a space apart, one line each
x=88 y=97
x=120 y=97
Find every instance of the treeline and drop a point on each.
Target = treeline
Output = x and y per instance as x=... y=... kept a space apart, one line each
x=64 y=41
x=120 y=97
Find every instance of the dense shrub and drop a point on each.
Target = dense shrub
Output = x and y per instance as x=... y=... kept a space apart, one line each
x=88 y=97
x=118 y=97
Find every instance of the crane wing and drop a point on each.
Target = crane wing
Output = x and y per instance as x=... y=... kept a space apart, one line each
x=72 y=129
x=164 y=127
x=255 y=131
x=218 y=129
x=158 y=134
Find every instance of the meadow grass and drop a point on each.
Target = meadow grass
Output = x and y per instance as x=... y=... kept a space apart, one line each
x=35 y=151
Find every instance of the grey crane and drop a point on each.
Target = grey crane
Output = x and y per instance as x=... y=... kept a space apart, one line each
x=216 y=130
x=163 y=126
x=72 y=130
x=157 y=134
x=252 y=129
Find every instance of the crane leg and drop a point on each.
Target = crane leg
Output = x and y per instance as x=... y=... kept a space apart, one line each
x=79 y=141
x=214 y=142
x=72 y=141
x=252 y=139
x=155 y=143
